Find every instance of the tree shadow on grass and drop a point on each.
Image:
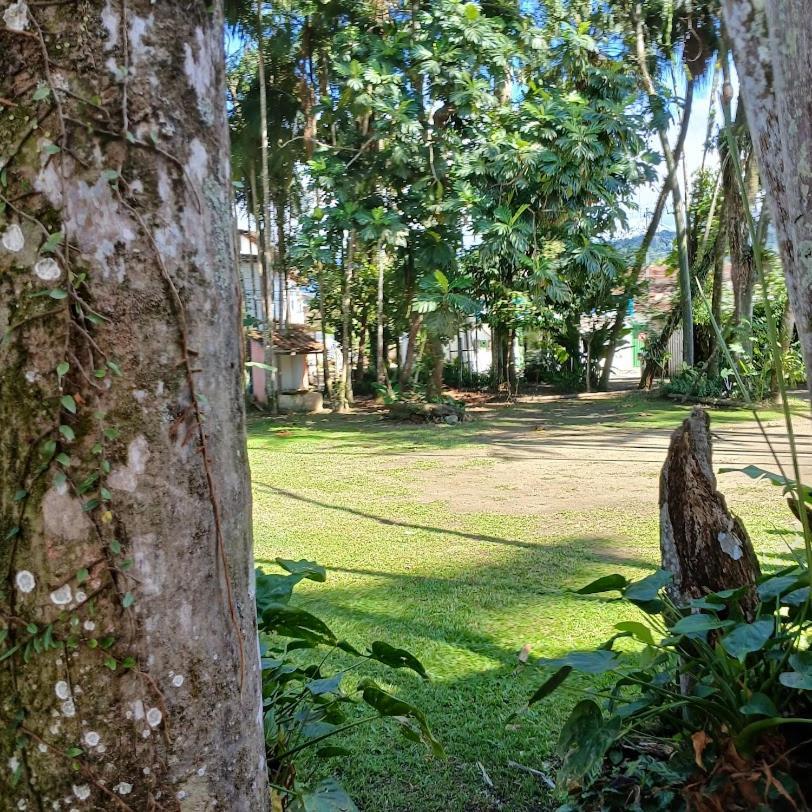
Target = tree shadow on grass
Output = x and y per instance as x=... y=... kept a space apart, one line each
x=616 y=551
x=468 y=630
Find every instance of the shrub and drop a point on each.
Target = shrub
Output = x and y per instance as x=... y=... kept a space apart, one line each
x=707 y=715
x=304 y=707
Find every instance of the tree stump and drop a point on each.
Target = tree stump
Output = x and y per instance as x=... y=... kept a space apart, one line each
x=702 y=543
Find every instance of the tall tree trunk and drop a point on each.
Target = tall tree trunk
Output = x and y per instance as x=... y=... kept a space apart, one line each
x=361 y=358
x=677 y=198
x=772 y=44
x=641 y=254
x=282 y=264
x=328 y=383
x=126 y=604
x=716 y=297
x=415 y=323
x=345 y=395
x=380 y=360
x=272 y=374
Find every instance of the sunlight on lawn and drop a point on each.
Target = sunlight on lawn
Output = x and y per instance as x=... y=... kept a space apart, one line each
x=465 y=589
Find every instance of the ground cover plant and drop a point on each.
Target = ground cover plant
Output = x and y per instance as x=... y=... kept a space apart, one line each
x=459 y=543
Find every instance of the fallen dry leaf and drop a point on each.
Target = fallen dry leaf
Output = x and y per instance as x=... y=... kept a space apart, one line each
x=700 y=740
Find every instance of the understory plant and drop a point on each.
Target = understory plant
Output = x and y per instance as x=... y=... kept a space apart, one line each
x=306 y=705
x=713 y=713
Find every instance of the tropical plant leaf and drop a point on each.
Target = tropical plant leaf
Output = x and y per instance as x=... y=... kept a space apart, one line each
x=327 y=796
x=648 y=588
x=587 y=662
x=551 y=684
x=745 y=638
x=396 y=657
x=608 y=583
x=308 y=569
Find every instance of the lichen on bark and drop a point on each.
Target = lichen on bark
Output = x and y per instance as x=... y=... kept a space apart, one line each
x=129 y=676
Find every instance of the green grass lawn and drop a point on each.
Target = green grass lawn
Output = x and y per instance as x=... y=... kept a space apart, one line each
x=462 y=590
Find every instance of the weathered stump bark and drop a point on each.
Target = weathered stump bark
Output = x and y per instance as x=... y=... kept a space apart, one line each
x=702 y=543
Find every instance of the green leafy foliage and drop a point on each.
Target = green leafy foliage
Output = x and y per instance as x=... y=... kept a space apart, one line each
x=707 y=681
x=303 y=705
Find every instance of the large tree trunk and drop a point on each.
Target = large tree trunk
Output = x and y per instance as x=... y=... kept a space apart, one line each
x=703 y=544
x=129 y=675
x=772 y=44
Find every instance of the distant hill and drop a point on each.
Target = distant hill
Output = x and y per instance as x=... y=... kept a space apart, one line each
x=660 y=248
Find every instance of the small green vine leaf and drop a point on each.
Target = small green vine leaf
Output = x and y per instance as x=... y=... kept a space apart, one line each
x=105 y=466
x=128 y=600
x=67 y=432
x=20 y=495
x=74 y=752
x=14 y=532
x=129 y=662
x=105 y=494
x=62 y=369
x=63 y=459
x=32 y=628
x=100 y=373
x=92 y=643
x=53 y=242
x=68 y=403
x=82 y=575
x=111 y=433
x=42 y=92
x=48 y=449
x=111 y=663
x=58 y=293
x=51 y=149
x=110 y=174
x=60 y=479
x=90 y=505
x=115 y=547
x=114 y=368
x=108 y=641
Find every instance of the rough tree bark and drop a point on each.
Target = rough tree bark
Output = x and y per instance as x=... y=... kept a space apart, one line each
x=129 y=676
x=702 y=543
x=772 y=45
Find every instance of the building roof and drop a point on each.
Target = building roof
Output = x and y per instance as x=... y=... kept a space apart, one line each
x=294 y=339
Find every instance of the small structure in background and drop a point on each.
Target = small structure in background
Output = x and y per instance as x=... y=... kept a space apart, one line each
x=299 y=350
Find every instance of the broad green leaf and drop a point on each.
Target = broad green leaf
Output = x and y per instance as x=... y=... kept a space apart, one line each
x=550 y=685
x=274 y=588
x=699 y=624
x=42 y=92
x=639 y=631
x=62 y=369
x=328 y=685
x=587 y=662
x=327 y=796
x=773 y=587
x=648 y=588
x=396 y=658
x=759 y=705
x=584 y=740
x=387 y=705
x=308 y=569
x=608 y=583
x=68 y=403
x=797 y=680
x=745 y=638
x=289 y=622
x=67 y=432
